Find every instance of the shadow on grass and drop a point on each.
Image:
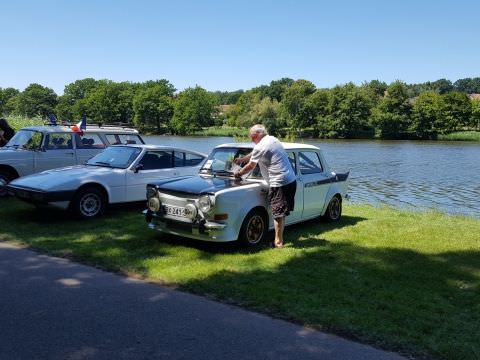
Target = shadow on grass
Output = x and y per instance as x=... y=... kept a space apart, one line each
x=396 y=298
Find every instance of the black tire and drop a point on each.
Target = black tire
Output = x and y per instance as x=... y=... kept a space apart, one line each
x=334 y=209
x=88 y=203
x=5 y=177
x=254 y=229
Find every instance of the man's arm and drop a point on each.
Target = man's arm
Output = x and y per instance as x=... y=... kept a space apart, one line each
x=246 y=169
x=243 y=159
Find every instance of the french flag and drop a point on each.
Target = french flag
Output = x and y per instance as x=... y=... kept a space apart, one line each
x=80 y=126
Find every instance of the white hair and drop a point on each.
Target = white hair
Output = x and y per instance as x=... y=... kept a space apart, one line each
x=258 y=129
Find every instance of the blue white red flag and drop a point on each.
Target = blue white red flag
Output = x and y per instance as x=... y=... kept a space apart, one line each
x=80 y=126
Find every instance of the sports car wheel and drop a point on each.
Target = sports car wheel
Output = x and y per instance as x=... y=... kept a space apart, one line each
x=88 y=203
x=5 y=178
x=334 y=209
x=254 y=228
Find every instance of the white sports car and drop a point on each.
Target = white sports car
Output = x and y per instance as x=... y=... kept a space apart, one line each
x=116 y=175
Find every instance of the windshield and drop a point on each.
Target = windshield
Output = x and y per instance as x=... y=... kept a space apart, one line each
x=26 y=139
x=116 y=157
x=221 y=162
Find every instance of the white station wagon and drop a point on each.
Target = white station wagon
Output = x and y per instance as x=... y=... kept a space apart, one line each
x=214 y=206
x=118 y=174
x=38 y=148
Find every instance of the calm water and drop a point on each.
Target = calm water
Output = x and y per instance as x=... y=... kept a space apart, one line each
x=425 y=175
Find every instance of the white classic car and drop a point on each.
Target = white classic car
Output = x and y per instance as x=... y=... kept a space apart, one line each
x=116 y=175
x=37 y=148
x=214 y=206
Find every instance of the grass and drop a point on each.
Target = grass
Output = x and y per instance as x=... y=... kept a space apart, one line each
x=403 y=281
x=461 y=136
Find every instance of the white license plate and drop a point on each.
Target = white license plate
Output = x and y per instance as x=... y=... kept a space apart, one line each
x=175 y=211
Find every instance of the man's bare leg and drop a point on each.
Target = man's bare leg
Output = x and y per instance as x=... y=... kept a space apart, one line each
x=279 y=224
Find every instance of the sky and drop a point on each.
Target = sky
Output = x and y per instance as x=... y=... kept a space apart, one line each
x=229 y=45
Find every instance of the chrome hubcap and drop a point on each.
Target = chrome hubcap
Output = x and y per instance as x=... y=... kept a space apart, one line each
x=90 y=204
x=255 y=229
x=3 y=186
x=334 y=208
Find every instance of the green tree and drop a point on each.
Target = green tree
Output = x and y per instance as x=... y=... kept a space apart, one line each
x=475 y=119
x=36 y=100
x=153 y=106
x=391 y=116
x=5 y=95
x=456 y=112
x=350 y=108
x=68 y=106
x=468 y=85
x=267 y=112
x=193 y=109
x=109 y=103
x=295 y=104
x=426 y=112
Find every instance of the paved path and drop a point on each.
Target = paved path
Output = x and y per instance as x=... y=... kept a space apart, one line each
x=52 y=308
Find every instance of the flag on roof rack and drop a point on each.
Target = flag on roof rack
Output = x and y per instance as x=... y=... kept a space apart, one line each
x=80 y=126
x=53 y=120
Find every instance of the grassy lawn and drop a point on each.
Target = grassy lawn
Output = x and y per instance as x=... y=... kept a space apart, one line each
x=461 y=136
x=400 y=280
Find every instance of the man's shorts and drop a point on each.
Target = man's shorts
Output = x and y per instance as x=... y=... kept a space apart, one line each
x=282 y=199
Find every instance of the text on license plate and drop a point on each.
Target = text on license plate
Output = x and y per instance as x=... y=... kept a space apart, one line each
x=175 y=211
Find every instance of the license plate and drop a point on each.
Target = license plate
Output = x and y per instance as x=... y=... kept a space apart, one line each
x=175 y=211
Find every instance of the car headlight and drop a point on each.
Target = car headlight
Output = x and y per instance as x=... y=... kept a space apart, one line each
x=205 y=203
x=191 y=211
x=154 y=204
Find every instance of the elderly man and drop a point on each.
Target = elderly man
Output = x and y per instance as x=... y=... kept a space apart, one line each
x=275 y=167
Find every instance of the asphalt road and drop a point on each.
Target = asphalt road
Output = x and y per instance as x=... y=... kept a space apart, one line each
x=52 y=308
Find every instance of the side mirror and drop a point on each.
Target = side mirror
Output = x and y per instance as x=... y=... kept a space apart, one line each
x=137 y=168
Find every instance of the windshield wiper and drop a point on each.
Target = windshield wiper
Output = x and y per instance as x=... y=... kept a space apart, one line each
x=101 y=163
x=223 y=173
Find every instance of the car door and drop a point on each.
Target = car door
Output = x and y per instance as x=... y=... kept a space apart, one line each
x=296 y=214
x=153 y=165
x=57 y=151
x=315 y=182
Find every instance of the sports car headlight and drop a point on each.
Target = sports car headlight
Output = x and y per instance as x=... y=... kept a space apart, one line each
x=205 y=203
x=154 y=204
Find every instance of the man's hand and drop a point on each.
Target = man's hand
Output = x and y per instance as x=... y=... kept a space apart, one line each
x=237 y=175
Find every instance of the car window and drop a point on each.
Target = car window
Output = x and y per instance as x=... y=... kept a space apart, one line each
x=58 y=141
x=309 y=162
x=182 y=158
x=123 y=139
x=89 y=141
x=291 y=158
x=153 y=160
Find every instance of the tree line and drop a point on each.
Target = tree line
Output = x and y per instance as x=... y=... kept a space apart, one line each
x=371 y=110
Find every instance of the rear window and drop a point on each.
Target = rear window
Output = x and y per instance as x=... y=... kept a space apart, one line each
x=123 y=139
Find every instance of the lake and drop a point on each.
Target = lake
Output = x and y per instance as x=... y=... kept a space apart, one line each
x=410 y=174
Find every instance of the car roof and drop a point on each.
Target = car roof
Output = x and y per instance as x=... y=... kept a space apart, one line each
x=286 y=146
x=91 y=128
x=158 y=147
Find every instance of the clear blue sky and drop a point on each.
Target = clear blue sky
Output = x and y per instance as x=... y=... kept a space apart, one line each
x=230 y=45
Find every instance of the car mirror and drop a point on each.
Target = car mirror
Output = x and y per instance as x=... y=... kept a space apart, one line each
x=138 y=167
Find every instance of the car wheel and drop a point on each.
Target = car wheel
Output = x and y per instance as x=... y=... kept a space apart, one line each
x=334 y=209
x=254 y=228
x=88 y=203
x=5 y=177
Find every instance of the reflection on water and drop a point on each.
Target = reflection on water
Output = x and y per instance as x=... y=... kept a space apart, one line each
x=430 y=175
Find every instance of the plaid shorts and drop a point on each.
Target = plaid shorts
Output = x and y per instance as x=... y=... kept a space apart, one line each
x=282 y=199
